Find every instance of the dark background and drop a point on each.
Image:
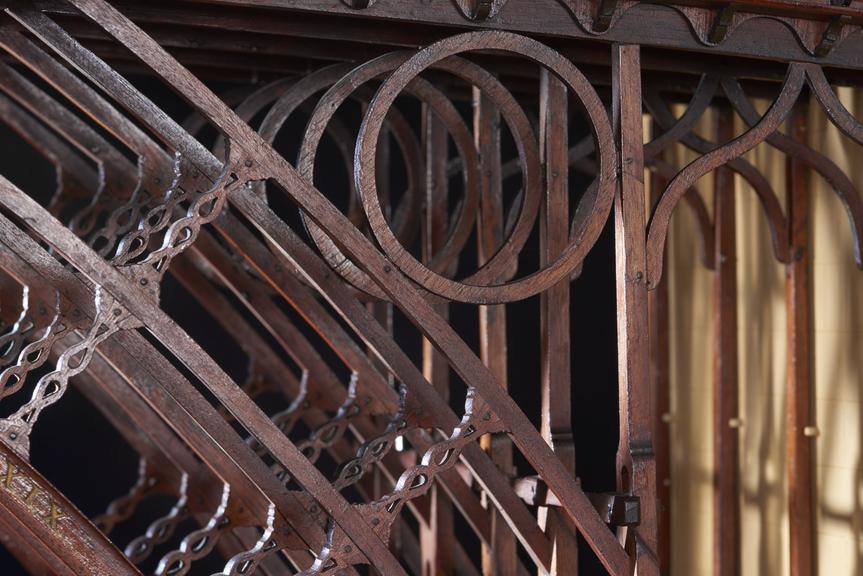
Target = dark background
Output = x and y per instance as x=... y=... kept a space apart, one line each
x=77 y=450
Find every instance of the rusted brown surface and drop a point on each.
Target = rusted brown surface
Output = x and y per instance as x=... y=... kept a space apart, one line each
x=800 y=410
x=341 y=473
x=726 y=425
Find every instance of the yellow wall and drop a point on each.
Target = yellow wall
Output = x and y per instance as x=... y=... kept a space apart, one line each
x=691 y=343
x=837 y=371
x=838 y=366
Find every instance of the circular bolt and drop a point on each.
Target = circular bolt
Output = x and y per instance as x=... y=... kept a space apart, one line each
x=117 y=311
x=376 y=521
x=348 y=549
x=143 y=281
x=387 y=268
x=13 y=435
x=248 y=163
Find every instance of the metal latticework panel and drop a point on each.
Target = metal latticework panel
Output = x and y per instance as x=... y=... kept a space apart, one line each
x=359 y=215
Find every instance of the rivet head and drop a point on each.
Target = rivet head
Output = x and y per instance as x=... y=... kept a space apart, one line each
x=13 y=435
x=143 y=281
x=248 y=163
x=348 y=549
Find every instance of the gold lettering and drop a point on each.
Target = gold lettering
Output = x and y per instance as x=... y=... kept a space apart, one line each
x=34 y=491
x=52 y=515
x=11 y=472
x=55 y=514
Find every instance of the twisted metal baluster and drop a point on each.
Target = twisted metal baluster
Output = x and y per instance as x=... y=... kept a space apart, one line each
x=84 y=220
x=33 y=354
x=370 y=453
x=104 y=239
x=59 y=199
x=157 y=218
x=110 y=318
x=287 y=418
x=328 y=433
x=478 y=420
x=121 y=509
x=199 y=543
x=162 y=528
x=182 y=232
x=246 y=563
x=12 y=339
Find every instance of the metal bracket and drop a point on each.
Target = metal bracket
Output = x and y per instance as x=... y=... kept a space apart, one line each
x=615 y=509
x=604 y=13
x=832 y=34
x=721 y=24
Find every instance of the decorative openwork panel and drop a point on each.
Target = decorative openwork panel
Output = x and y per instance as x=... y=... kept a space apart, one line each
x=358 y=207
